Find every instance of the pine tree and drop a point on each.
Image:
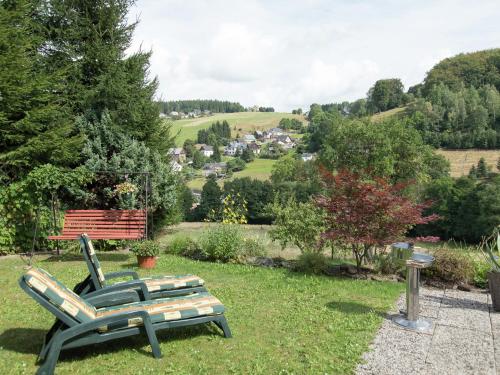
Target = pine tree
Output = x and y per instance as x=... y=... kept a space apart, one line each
x=216 y=155
x=210 y=199
x=35 y=128
x=88 y=39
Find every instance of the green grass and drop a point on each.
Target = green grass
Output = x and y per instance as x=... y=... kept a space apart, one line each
x=245 y=122
x=398 y=112
x=281 y=322
x=259 y=169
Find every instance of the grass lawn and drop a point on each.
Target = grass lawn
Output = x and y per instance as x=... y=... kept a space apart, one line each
x=281 y=322
x=259 y=169
x=245 y=122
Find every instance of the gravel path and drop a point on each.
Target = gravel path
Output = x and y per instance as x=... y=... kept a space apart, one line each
x=465 y=338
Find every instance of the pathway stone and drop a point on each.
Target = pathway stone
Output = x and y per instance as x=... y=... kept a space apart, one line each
x=465 y=339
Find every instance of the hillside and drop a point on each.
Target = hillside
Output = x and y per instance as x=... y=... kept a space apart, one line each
x=398 y=112
x=245 y=122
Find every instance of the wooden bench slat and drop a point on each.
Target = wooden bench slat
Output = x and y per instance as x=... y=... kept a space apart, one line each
x=103 y=224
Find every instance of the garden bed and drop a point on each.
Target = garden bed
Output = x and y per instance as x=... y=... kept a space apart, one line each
x=281 y=321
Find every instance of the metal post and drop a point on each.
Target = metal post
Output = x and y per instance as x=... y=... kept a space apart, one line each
x=412 y=295
x=410 y=319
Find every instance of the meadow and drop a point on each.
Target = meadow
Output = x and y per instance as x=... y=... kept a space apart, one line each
x=282 y=322
x=462 y=160
x=241 y=122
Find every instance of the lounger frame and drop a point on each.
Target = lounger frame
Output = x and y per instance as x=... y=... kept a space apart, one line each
x=69 y=333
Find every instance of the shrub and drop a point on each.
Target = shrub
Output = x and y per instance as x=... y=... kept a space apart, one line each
x=388 y=264
x=145 y=248
x=311 y=263
x=253 y=247
x=451 y=266
x=223 y=243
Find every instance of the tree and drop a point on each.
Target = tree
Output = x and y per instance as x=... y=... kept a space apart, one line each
x=211 y=200
x=482 y=169
x=89 y=41
x=299 y=224
x=216 y=156
x=257 y=195
x=364 y=214
x=35 y=125
x=247 y=155
x=386 y=94
x=198 y=159
x=236 y=164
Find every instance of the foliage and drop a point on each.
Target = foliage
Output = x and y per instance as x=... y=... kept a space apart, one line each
x=220 y=130
x=33 y=200
x=223 y=242
x=466 y=69
x=291 y=123
x=388 y=149
x=315 y=263
x=234 y=209
x=365 y=214
x=236 y=164
x=299 y=224
x=217 y=106
x=211 y=199
x=247 y=155
x=388 y=264
x=35 y=124
x=266 y=109
x=480 y=278
x=468 y=209
x=147 y=248
x=464 y=117
x=451 y=266
x=491 y=245
x=123 y=157
x=253 y=247
x=385 y=94
x=256 y=193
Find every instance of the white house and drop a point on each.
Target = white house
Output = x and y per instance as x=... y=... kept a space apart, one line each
x=274 y=132
x=254 y=147
x=248 y=138
x=207 y=150
x=217 y=169
x=234 y=147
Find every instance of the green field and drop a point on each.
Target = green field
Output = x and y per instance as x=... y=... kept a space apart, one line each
x=245 y=122
x=259 y=169
x=282 y=322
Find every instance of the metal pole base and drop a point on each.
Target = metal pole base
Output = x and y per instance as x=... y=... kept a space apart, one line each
x=420 y=325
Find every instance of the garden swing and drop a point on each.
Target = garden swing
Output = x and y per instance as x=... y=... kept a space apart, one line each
x=108 y=224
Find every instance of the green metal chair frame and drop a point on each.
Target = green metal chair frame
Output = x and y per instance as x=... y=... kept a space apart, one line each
x=69 y=333
x=97 y=282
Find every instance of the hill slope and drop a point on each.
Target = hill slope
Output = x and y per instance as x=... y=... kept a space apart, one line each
x=244 y=122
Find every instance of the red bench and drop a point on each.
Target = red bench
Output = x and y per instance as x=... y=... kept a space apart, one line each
x=103 y=225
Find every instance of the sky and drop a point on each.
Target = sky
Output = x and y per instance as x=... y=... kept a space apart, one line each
x=290 y=54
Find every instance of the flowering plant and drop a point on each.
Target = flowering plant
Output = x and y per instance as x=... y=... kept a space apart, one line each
x=125 y=187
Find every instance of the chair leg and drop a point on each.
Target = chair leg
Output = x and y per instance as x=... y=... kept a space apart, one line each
x=222 y=324
x=49 y=365
x=153 y=341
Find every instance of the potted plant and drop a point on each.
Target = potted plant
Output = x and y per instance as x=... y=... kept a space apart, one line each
x=146 y=252
x=126 y=192
x=489 y=246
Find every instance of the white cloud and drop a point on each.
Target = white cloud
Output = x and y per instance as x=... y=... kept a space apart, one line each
x=288 y=54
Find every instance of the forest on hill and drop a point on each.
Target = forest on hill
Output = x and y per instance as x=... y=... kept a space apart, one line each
x=216 y=106
x=455 y=107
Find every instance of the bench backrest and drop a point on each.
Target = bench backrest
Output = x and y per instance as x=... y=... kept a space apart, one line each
x=104 y=224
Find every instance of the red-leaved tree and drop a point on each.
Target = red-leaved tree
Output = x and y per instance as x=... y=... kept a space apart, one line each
x=365 y=213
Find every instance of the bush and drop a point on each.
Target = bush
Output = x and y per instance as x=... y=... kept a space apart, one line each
x=480 y=277
x=147 y=248
x=311 y=263
x=253 y=247
x=223 y=243
x=451 y=266
x=388 y=264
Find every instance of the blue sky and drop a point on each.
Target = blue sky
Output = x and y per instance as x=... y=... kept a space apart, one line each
x=289 y=54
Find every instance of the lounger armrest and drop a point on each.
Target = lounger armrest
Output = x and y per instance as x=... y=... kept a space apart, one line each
x=125 y=273
x=104 y=298
x=132 y=284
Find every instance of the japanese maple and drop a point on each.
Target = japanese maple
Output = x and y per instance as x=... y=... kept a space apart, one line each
x=364 y=212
